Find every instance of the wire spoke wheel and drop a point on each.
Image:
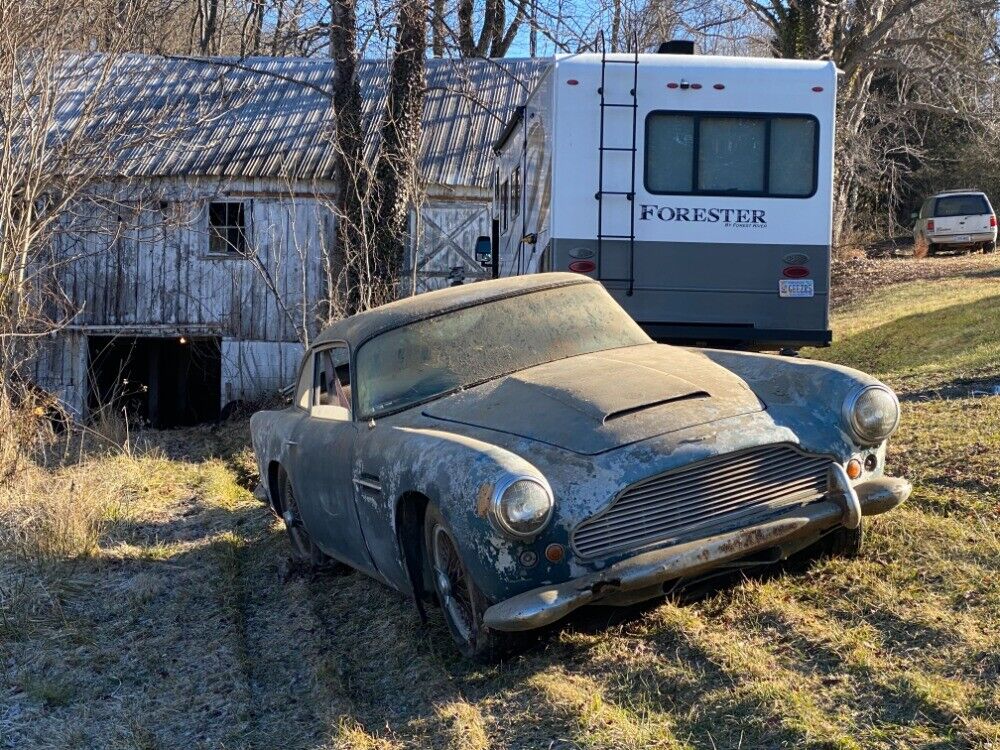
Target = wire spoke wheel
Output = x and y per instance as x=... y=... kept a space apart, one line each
x=452 y=585
x=297 y=534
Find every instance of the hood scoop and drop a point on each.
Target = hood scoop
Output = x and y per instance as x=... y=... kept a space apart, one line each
x=597 y=402
x=670 y=400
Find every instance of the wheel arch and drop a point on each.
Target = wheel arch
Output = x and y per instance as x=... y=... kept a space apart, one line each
x=410 y=511
x=274 y=473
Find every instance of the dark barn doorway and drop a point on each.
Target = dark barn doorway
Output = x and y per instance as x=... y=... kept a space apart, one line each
x=162 y=382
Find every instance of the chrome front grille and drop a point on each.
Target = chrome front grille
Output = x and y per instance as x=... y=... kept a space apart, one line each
x=716 y=490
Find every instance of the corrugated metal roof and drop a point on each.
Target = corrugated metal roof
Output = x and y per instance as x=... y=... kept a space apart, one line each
x=272 y=117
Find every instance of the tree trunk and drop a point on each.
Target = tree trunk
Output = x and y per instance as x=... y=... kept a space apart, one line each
x=343 y=280
x=396 y=173
x=438 y=28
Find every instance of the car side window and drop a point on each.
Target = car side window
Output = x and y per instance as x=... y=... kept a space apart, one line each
x=303 y=390
x=332 y=383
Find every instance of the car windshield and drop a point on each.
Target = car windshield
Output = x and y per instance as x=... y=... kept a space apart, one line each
x=428 y=358
x=961 y=205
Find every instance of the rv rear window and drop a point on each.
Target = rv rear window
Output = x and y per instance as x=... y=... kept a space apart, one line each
x=701 y=153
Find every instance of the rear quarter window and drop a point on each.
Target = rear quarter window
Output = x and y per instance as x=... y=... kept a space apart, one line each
x=961 y=205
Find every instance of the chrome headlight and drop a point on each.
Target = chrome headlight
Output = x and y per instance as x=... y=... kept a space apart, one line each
x=522 y=506
x=871 y=413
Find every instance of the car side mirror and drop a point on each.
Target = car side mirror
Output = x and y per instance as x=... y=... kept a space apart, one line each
x=484 y=250
x=332 y=412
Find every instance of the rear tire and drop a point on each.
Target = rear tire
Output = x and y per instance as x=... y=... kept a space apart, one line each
x=990 y=247
x=462 y=602
x=304 y=549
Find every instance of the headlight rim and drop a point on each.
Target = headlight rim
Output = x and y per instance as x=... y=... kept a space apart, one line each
x=848 y=413
x=501 y=486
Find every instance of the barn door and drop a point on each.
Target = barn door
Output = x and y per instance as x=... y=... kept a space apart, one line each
x=444 y=238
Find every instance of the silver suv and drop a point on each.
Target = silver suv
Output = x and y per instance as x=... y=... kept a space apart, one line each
x=955 y=220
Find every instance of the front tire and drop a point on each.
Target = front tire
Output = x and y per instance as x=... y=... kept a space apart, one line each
x=461 y=601
x=849 y=543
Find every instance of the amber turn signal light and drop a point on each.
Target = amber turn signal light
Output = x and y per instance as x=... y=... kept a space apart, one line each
x=554 y=553
x=853 y=468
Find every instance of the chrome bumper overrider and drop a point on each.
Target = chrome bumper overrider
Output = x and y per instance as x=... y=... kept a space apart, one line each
x=547 y=604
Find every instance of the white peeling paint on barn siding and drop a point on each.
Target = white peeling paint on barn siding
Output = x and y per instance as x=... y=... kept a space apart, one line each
x=140 y=266
x=251 y=369
x=143 y=264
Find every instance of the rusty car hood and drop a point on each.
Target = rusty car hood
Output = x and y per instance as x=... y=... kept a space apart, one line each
x=598 y=402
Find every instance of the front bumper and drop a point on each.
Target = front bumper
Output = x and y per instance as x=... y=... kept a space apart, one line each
x=547 y=604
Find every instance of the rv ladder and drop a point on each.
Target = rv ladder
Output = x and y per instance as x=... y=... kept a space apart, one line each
x=631 y=150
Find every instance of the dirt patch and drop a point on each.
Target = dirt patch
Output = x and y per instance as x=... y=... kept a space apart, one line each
x=856 y=278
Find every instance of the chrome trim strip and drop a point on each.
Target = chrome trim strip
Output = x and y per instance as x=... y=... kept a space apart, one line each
x=367 y=483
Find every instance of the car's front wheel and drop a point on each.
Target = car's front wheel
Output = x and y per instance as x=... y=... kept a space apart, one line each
x=845 y=542
x=462 y=603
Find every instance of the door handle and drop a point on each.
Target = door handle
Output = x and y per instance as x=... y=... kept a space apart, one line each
x=291 y=443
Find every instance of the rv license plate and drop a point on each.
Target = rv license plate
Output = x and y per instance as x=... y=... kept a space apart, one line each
x=796 y=288
x=962 y=238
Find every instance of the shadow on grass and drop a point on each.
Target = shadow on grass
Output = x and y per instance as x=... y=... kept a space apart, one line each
x=922 y=339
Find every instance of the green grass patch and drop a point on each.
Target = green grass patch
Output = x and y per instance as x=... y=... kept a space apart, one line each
x=921 y=334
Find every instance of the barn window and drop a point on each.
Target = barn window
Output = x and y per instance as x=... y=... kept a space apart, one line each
x=227 y=233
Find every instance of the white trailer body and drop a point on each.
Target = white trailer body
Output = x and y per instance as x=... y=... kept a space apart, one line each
x=697 y=189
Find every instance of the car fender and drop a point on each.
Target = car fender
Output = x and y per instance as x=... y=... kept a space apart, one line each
x=455 y=472
x=802 y=394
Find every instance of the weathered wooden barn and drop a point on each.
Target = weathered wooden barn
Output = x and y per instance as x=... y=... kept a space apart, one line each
x=196 y=278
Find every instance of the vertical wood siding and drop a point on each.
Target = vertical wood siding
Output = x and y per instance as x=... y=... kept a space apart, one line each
x=60 y=367
x=251 y=369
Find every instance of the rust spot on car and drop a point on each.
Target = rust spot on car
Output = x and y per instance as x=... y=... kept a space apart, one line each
x=484 y=499
x=601 y=587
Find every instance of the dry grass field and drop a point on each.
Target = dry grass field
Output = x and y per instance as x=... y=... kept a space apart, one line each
x=146 y=602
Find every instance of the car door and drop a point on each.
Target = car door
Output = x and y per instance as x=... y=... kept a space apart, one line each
x=321 y=452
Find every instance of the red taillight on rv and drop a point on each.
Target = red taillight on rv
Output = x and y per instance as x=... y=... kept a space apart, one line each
x=696 y=86
x=572 y=82
x=930 y=225
x=719 y=86
x=673 y=85
x=796 y=272
x=817 y=89
x=993 y=221
x=582 y=266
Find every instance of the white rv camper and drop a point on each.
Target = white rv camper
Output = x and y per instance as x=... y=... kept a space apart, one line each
x=696 y=188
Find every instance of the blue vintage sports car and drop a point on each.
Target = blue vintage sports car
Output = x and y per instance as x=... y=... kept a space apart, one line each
x=519 y=448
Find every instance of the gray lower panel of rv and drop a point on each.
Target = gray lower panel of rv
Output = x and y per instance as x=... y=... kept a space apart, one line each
x=713 y=293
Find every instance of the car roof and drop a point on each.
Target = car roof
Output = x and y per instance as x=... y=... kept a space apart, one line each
x=362 y=326
x=958 y=192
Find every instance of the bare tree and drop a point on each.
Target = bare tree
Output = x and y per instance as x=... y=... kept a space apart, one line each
x=899 y=58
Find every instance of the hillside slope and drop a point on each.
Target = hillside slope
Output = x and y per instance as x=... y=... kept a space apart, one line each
x=146 y=601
